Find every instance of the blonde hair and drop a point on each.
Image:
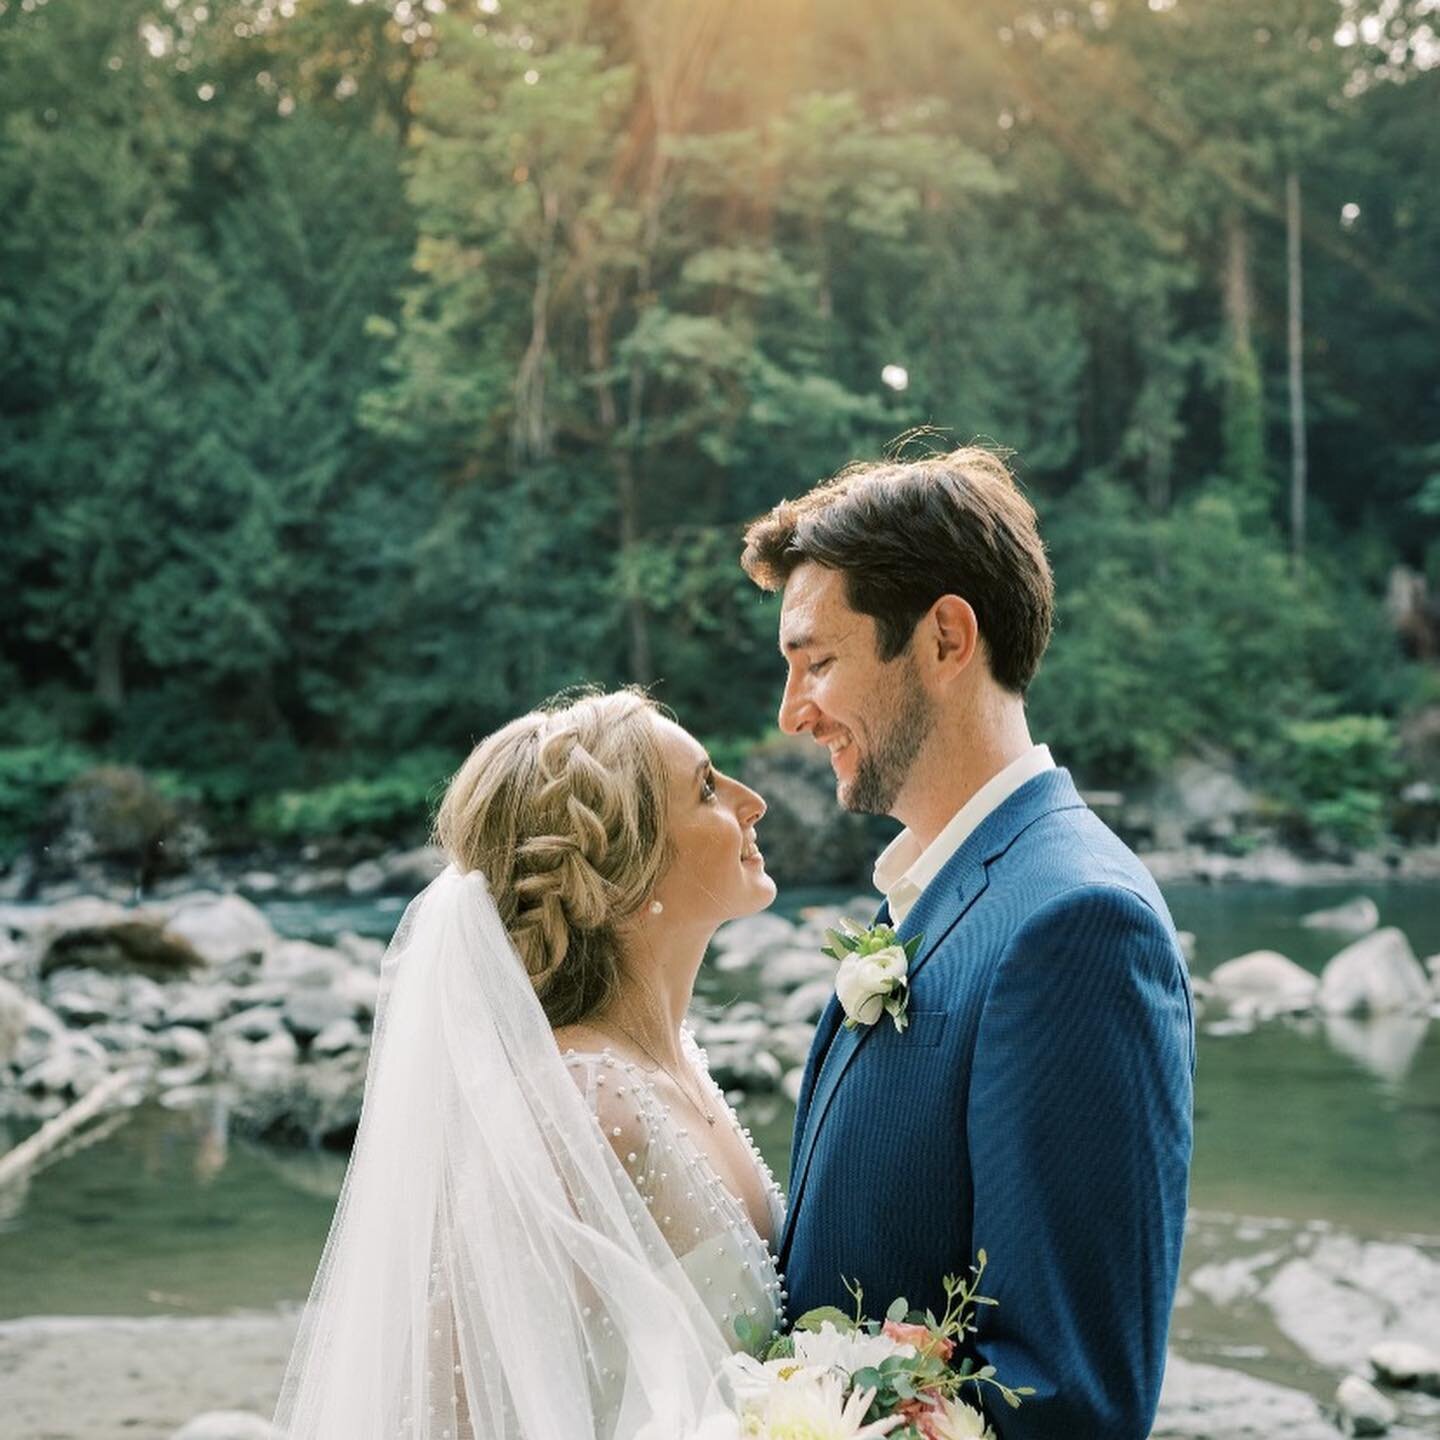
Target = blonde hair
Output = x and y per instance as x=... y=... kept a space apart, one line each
x=563 y=812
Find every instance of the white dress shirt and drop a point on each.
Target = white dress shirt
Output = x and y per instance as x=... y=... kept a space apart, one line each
x=904 y=870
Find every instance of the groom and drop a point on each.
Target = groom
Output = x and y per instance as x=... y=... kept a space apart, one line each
x=1039 y=1103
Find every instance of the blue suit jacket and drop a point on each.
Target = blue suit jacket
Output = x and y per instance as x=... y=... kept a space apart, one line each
x=1039 y=1106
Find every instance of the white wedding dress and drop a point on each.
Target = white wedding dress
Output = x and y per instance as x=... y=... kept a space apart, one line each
x=495 y=1269
x=707 y=1227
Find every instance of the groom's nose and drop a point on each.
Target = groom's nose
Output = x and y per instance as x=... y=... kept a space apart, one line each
x=797 y=712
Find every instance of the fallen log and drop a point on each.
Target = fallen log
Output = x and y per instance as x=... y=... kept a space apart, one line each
x=17 y=1161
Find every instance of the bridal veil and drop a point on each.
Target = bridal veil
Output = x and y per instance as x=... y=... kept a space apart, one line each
x=490 y=1271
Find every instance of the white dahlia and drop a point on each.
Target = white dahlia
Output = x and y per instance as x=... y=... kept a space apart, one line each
x=832 y=1349
x=814 y=1407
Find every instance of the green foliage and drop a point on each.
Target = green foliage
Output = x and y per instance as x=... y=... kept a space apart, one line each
x=1341 y=774
x=395 y=804
x=31 y=778
x=364 y=380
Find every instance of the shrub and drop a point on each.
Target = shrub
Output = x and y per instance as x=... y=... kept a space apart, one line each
x=1340 y=774
x=394 y=804
x=31 y=778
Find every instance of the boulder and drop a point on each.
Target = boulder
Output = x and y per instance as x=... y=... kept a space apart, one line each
x=807 y=838
x=200 y=1003
x=298 y=963
x=806 y=1001
x=1377 y=975
x=1264 y=983
x=74 y=1065
x=361 y=988
x=742 y=942
x=337 y=1037
x=121 y=1037
x=225 y=929
x=366 y=878
x=361 y=950
x=309 y=1012
x=789 y=968
x=1355 y=917
x=261 y=1065
x=258 y=1022
x=87 y=997
x=791 y=1083
x=89 y=933
x=189 y=1050
x=1211 y=1402
x=227 y=1425
x=1363 y=1409
x=1406 y=1365
x=1200 y=799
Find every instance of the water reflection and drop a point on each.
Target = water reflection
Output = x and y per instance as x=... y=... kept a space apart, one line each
x=1384 y=1045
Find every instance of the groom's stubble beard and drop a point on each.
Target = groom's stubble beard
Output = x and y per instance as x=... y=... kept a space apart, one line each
x=881 y=773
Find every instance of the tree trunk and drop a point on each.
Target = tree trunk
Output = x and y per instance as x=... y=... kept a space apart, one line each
x=637 y=630
x=109 y=666
x=1296 y=338
x=530 y=432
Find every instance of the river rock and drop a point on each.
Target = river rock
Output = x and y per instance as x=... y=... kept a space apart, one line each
x=1363 y=1409
x=89 y=933
x=74 y=1065
x=1376 y=975
x=361 y=988
x=226 y=930
x=264 y=1065
x=190 y=1049
x=361 y=950
x=1406 y=1365
x=86 y=997
x=806 y=1002
x=1355 y=917
x=308 y=1012
x=200 y=1003
x=257 y=1022
x=1265 y=983
x=121 y=1037
x=788 y=968
x=753 y=936
x=366 y=878
x=14 y=1009
x=299 y=963
x=337 y=1037
x=1346 y=1295
x=408 y=872
x=1206 y=1402
x=227 y=1425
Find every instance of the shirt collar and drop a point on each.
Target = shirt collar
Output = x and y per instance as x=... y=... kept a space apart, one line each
x=904 y=870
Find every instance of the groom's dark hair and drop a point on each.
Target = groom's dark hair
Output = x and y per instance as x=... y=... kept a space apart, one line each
x=905 y=532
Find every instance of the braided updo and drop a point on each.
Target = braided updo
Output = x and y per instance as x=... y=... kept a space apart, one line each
x=563 y=812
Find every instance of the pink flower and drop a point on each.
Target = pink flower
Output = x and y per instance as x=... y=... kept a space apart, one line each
x=925 y=1341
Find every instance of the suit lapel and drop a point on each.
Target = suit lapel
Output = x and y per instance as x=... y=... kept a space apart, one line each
x=936 y=913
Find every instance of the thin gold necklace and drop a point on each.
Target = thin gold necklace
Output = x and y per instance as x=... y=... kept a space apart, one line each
x=705 y=1110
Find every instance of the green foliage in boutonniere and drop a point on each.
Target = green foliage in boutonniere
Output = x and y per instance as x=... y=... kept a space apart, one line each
x=873 y=978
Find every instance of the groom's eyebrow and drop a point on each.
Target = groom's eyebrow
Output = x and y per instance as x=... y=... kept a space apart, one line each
x=799 y=640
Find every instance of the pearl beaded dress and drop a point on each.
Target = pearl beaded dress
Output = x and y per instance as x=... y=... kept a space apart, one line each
x=707 y=1227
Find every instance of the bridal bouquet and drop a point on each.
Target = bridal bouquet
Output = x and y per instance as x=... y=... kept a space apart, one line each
x=841 y=1377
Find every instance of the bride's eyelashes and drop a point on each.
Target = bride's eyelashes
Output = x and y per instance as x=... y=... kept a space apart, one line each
x=707 y=787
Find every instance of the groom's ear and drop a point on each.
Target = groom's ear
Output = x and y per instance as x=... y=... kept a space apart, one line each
x=949 y=635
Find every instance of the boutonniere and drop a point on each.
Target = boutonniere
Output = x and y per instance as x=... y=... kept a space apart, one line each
x=874 y=972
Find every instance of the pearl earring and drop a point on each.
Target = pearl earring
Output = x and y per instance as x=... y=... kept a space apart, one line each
x=656 y=908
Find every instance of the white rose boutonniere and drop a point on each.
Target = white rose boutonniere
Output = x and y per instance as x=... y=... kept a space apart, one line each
x=873 y=978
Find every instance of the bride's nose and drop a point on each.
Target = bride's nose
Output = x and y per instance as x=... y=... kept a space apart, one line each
x=750 y=807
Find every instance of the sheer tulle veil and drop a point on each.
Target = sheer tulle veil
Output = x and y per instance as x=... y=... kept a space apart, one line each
x=490 y=1270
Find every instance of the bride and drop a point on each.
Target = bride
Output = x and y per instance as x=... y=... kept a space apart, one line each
x=553 y=1226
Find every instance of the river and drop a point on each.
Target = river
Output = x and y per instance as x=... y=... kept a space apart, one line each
x=1301 y=1126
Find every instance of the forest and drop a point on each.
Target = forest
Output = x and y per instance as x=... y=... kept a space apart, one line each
x=372 y=369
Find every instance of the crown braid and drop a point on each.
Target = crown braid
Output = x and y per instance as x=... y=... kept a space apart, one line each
x=562 y=810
